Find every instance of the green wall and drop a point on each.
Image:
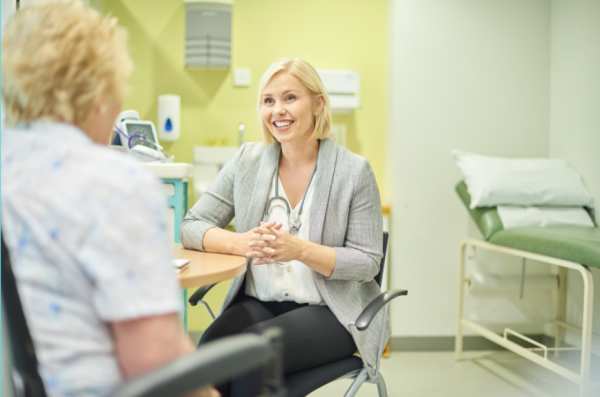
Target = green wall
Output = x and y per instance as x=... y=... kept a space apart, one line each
x=329 y=34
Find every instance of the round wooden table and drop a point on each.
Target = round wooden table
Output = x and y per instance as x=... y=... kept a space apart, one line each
x=207 y=269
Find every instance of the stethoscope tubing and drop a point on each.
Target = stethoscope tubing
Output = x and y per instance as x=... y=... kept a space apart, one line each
x=287 y=207
x=296 y=225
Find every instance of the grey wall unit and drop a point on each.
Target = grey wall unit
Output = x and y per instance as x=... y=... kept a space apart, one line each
x=208 y=34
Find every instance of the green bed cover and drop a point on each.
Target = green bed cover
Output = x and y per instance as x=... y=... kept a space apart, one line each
x=572 y=243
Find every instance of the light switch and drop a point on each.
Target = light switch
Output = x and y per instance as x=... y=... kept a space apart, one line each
x=241 y=77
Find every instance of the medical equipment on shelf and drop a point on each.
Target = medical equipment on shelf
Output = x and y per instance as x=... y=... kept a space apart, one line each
x=297 y=222
x=139 y=138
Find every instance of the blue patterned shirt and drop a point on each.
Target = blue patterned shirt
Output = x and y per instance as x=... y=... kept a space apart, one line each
x=86 y=230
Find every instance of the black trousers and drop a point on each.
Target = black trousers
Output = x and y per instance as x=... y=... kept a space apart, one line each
x=312 y=336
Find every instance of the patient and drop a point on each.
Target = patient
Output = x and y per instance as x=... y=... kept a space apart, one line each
x=84 y=225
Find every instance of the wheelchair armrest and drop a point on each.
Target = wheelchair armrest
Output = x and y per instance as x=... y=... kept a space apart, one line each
x=211 y=364
x=199 y=294
x=368 y=314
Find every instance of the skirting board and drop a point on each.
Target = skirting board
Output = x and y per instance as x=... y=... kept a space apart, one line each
x=446 y=343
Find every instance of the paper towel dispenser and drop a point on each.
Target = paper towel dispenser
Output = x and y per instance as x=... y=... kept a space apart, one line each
x=343 y=87
x=208 y=33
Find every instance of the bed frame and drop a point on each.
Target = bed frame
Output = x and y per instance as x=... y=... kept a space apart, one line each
x=583 y=377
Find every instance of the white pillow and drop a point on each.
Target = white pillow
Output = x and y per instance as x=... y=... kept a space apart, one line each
x=492 y=181
x=512 y=216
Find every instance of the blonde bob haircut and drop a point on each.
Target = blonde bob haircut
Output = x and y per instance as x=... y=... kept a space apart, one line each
x=58 y=59
x=309 y=77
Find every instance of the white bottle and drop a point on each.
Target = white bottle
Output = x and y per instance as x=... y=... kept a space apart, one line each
x=169 y=115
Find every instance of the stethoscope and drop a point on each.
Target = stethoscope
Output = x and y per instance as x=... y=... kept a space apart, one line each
x=297 y=222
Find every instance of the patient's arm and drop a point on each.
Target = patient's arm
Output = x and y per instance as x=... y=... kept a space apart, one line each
x=146 y=343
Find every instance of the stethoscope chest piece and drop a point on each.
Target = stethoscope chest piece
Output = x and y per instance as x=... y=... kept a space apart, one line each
x=296 y=226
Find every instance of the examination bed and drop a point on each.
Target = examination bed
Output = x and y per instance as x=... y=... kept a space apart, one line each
x=573 y=247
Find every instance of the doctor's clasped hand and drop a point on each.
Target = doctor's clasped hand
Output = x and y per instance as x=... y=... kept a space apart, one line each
x=270 y=244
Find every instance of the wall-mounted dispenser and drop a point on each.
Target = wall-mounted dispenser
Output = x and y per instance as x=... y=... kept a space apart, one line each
x=343 y=87
x=208 y=33
x=169 y=116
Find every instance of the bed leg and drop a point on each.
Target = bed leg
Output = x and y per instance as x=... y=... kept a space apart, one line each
x=586 y=329
x=561 y=304
x=458 y=344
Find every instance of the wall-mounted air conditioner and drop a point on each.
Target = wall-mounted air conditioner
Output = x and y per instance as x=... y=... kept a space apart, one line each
x=343 y=87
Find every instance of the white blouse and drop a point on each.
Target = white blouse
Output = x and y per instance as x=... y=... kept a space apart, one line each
x=287 y=281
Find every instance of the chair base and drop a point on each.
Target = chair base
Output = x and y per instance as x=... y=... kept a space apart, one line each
x=302 y=383
x=361 y=378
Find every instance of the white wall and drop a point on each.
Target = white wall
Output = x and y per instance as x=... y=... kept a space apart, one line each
x=575 y=93
x=468 y=74
x=575 y=113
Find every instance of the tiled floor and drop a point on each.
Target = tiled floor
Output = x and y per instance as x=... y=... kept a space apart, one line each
x=479 y=374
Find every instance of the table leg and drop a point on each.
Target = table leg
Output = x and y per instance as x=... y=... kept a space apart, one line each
x=185 y=198
x=185 y=312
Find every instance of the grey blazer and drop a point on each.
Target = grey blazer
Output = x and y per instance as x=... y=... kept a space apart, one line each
x=345 y=214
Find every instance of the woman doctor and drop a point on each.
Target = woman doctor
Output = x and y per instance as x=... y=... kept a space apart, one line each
x=308 y=217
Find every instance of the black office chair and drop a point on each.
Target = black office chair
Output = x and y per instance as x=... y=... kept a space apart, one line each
x=212 y=364
x=301 y=383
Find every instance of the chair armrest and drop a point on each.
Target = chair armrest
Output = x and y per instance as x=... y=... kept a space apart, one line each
x=199 y=294
x=368 y=314
x=211 y=364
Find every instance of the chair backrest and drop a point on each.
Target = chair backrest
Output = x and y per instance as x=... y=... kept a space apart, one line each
x=7 y=388
x=379 y=276
x=23 y=353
